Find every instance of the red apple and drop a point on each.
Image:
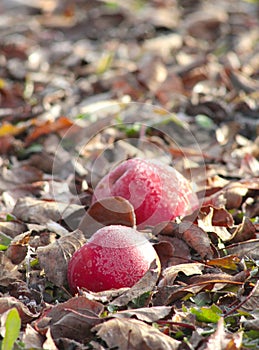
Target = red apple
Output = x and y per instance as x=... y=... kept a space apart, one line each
x=157 y=191
x=115 y=256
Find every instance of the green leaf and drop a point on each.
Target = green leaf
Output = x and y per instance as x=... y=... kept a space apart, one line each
x=207 y=314
x=204 y=121
x=5 y=240
x=10 y=217
x=12 y=329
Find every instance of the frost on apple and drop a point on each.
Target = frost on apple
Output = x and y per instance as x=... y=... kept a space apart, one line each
x=115 y=257
x=157 y=191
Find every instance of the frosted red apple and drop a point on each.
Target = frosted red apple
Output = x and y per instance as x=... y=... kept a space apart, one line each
x=115 y=256
x=157 y=191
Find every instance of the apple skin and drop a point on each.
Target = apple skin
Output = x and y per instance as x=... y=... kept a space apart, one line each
x=157 y=191
x=114 y=257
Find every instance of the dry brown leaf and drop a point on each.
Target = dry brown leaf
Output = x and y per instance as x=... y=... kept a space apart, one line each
x=39 y=211
x=54 y=257
x=108 y=211
x=212 y=278
x=145 y=284
x=217 y=217
x=252 y=301
x=170 y=274
x=245 y=231
x=208 y=223
x=152 y=72
x=8 y=271
x=251 y=324
x=12 y=228
x=165 y=251
x=221 y=340
x=128 y=334
x=229 y=262
x=196 y=238
x=167 y=294
x=22 y=174
x=146 y=314
x=72 y=319
x=48 y=127
x=248 y=248
x=49 y=342
x=7 y=303
x=31 y=338
x=17 y=249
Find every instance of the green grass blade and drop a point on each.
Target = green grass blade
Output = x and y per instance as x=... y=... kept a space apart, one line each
x=12 y=329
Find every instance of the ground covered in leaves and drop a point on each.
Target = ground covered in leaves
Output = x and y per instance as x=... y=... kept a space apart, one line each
x=86 y=84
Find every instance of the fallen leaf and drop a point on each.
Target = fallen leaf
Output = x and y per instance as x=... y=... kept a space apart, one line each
x=170 y=274
x=54 y=257
x=165 y=250
x=191 y=234
x=217 y=217
x=7 y=129
x=146 y=314
x=248 y=248
x=17 y=250
x=48 y=127
x=244 y=231
x=33 y=210
x=252 y=301
x=108 y=211
x=145 y=284
x=187 y=269
x=12 y=228
x=7 y=303
x=128 y=334
x=9 y=272
x=229 y=262
x=221 y=340
x=31 y=338
x=72 y=319
x=208 y=223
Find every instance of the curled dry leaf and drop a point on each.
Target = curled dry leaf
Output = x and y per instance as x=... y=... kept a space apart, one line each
x=252 y=301
x=216 y=216
x=11 y=228
x=165 y=251
x=7 y=303
x=245 y=231
x=145 y=284
x=48 y=127
x=222 y=340
x=248 y=248
x=31 y=338
x=209 y=223
x=33 y=210
x=128 y=334
x=179 y=250
x=8 y=271
x=72 y=319
x=229 y=262
x=146 y=314
x=107 y=211
x=17 y=250
x=197 y=239
x=188 y=269
x=191 y=234
x=105 y=296
x=214 y=278
x=54 y=257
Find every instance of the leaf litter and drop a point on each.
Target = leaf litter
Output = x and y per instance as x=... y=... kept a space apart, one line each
x=86 y=85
